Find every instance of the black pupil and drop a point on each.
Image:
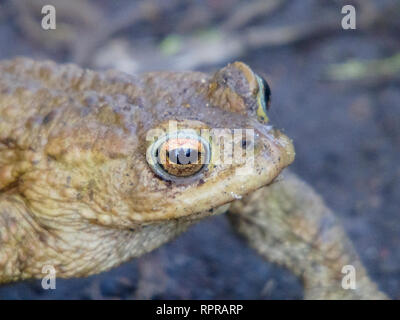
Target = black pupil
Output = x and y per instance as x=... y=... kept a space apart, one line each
x=267 y=92
x=183 y=156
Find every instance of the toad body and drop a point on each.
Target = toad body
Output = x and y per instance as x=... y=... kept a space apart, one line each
x=97 y=168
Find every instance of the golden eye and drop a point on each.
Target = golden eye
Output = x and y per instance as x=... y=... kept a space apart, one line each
x=263 y=99
x=178 y=155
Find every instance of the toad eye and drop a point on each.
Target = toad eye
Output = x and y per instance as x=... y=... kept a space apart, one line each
x=263 y=99
x=178 y=155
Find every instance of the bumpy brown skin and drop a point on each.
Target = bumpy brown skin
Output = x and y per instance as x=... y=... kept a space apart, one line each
x=77 y=193
x=289 y=224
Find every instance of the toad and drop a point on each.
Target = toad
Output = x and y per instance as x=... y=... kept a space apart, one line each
x=97 y=168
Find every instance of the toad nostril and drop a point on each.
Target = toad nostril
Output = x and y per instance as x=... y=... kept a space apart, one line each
x=247 y=144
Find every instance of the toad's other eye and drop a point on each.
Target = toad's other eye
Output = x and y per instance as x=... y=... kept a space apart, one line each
x=263 y=99
x=178 y=155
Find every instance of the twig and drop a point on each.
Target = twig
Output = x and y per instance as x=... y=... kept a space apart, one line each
x=127 y=17
x=250 y=11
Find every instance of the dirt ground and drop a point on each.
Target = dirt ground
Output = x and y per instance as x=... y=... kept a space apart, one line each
x=346 y=132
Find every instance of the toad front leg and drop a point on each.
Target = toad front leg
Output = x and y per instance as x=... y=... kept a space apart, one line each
x=289 y=224
x=73 y=249
x=19 y=241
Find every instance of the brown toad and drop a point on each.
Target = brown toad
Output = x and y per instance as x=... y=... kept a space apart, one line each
x=98 y=168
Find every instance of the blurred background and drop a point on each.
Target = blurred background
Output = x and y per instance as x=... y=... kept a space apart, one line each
x=334 y=91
